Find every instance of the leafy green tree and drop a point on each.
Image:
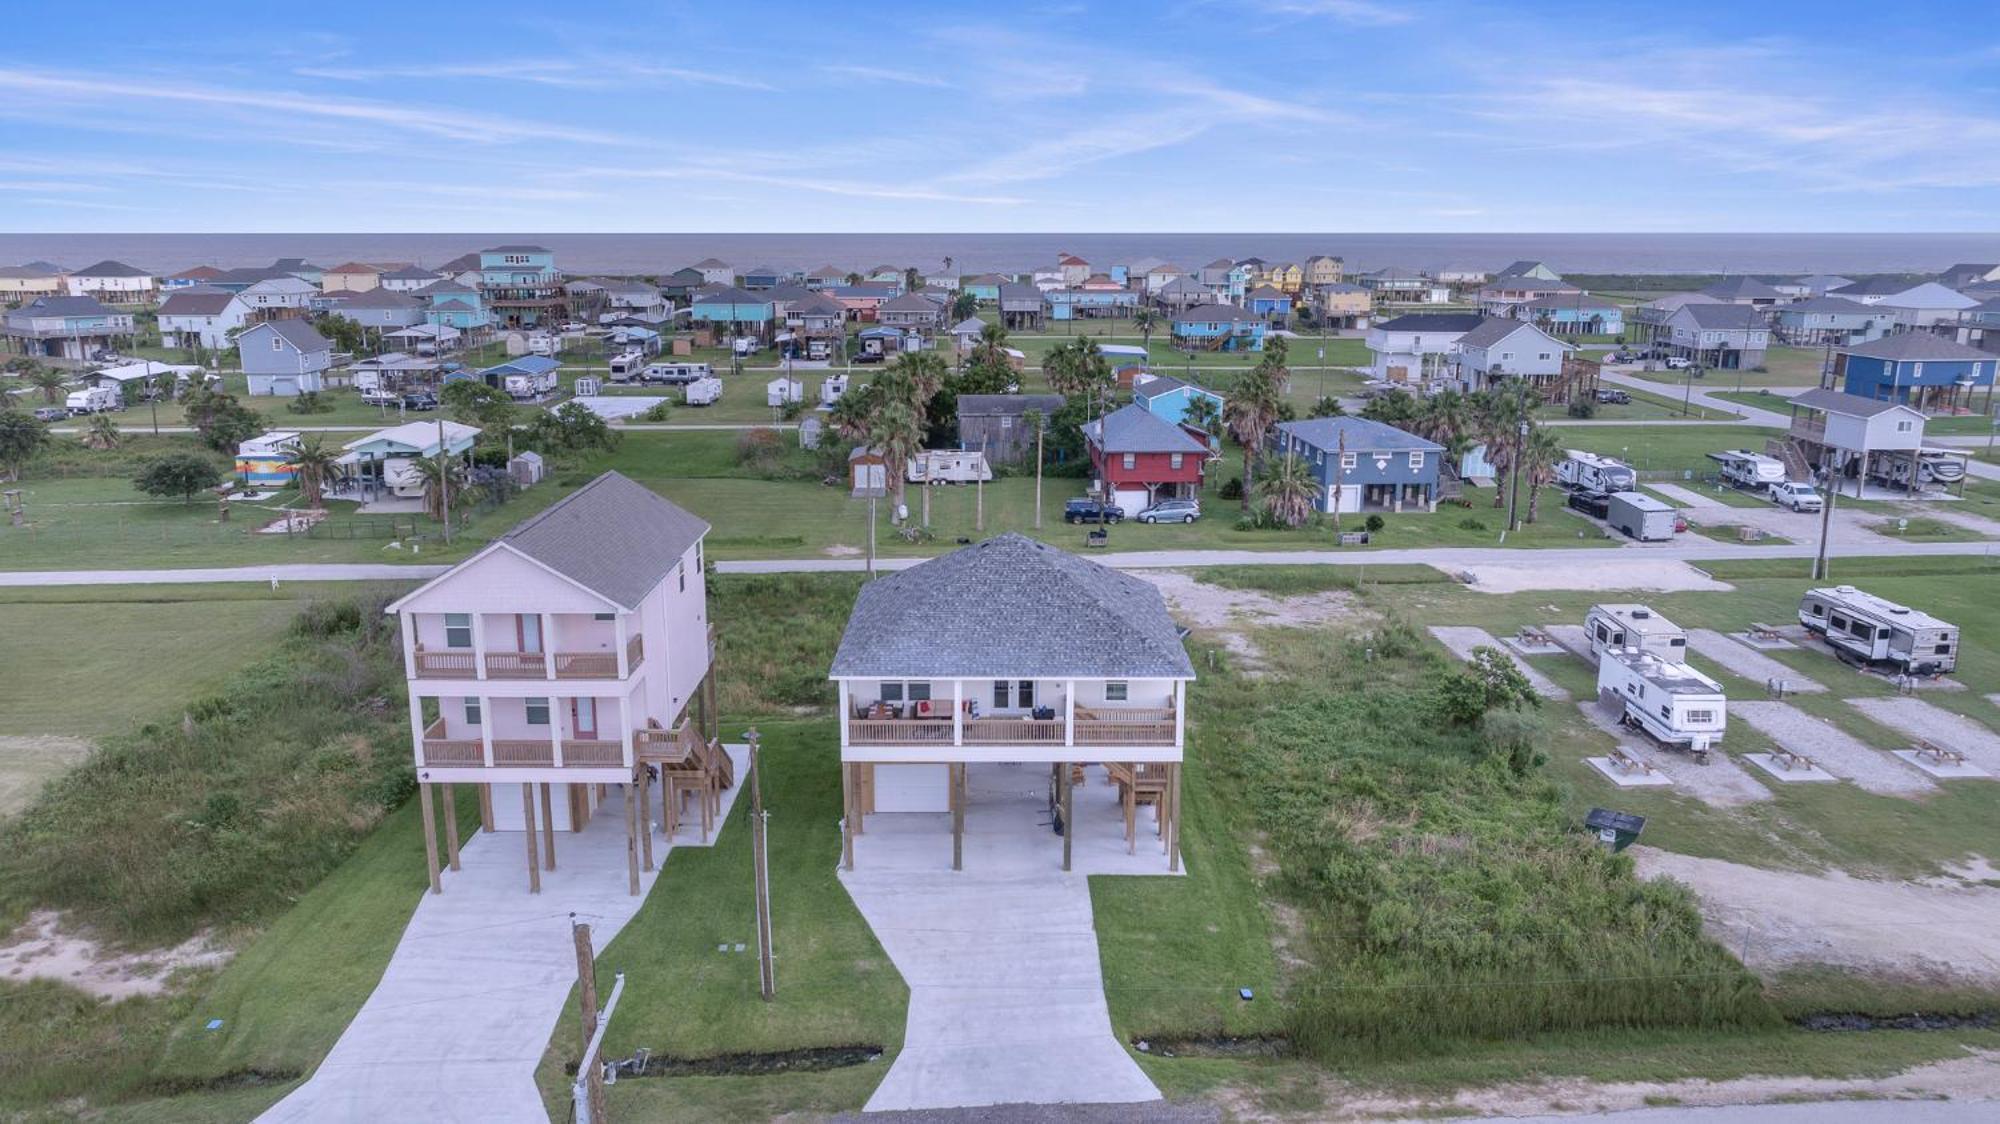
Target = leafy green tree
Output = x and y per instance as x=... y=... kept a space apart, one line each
x=475 y=403
x=345 y=333
x=21 y=437
x=1147 y=321
x=53 y=384
x=1327 y=407
x=1078 y=367
x=1398 y=407
x=571 y=428
x=1203 y=414
x=178 y=474
x=308 y=402
x=1490 y=681
x=223 y=422
x=101 y=433
x=964 y=306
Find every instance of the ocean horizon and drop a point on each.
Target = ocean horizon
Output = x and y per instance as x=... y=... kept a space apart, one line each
x=644 y=253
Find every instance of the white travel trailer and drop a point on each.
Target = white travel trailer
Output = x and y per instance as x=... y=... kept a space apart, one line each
x=676 y=374
x=529 y=388
x=704 y=391
x=831 y=388
x=1614 y=628
x=1588 y=472
x=1750 y=471
x=1673 y=703
x=1932 y=468
x=626 y=365
x=949 y=466
x=1862 y=628
x=93 y=400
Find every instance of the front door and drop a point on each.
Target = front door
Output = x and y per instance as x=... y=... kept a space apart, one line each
x=528 y=631
x=583 y=719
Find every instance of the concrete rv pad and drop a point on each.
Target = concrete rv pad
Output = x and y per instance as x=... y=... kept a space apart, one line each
x=1747 y=662
x=1461 y=641
x=1721 y=783
x=1830 y=747
x=1936 y=725
x=1793 y=774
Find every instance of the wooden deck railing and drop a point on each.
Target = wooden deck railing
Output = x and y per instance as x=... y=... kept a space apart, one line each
x=441 y=750
x=899 y=731
x=1128 y=725
x=517 y=665
x=593 y=753
x=635 y=651
x=454 y=664
x=1014 y=731
x=518 y=752
x=586 y=665
x=1096 y=726
x=666 y=746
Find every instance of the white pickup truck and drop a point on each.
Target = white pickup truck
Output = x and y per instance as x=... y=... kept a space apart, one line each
x=1796 y=495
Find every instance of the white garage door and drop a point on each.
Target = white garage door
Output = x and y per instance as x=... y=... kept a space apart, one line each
x=1349 y=498
x=912 y=788
x=1131 y=500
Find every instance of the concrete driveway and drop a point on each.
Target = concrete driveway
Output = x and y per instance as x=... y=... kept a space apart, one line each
x=1006 y=991
x=464 y=1011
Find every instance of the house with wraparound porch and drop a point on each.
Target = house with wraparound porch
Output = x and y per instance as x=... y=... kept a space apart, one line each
x=1074 y=671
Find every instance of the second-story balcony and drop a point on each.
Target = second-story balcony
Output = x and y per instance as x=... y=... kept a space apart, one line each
x=467 y=663
x=1104 y=726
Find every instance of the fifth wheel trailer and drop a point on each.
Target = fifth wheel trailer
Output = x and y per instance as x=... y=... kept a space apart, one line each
x=1588 y=472
x=1753 y=472
x=1617 y=627
x=1673 y=703
x=1865 y=629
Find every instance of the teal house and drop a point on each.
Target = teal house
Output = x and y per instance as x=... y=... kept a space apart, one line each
x=1169 y=398
x=449 y=304
x=1218 y=327
x=734 y=310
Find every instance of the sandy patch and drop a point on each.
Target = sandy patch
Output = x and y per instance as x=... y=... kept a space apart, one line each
x=1721 y=783
x=1229 y=612
x=1746 y=661
x=839 y=550
x=40 y=950
x=1462 y=640
x=1832 y=748
x=1936 y=725
x=1933 y=932
x=1617 y=571
x=29 y=761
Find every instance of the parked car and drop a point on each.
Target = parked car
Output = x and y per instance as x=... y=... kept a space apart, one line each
x=869 y=357
x=1084 y=510
x=1613 y=396
x=420 y=400
x=50 y=413
x=1594 y=504
x=1623 y=357
x=1797 y=496
x=1679 y=363
x=1172 y=511
x=379 y=397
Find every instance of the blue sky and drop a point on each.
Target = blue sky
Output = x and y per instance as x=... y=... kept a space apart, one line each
x=1334 y=115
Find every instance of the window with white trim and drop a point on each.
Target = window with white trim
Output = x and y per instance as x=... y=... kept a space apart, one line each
x=1116 y=691
x=472 y=715
x=537 y=711
x=458 y=630
x=1131 y=460
x=895 y=692
x=1348 y=461
x=1416 y=462
x=1175 y=461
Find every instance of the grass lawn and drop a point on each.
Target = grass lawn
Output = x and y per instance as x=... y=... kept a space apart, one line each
x=1783 y=366
x=1666 y=448
x=1643 y=407
x=1919 y=529
x=1731 y=533
x=683 y=999
x=87 y=667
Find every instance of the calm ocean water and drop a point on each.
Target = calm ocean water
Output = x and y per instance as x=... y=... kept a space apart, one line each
x=976 y=253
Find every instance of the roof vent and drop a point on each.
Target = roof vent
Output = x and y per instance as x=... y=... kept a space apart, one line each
x=1642 y=614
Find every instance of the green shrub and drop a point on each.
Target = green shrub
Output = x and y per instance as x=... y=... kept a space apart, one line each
x=1471 y=524
x=1582 y=408
x=1374 y=523
x=1232 y=489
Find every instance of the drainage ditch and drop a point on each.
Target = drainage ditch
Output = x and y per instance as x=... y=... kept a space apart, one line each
x=1916 y=1020
x=814 y=1060
x=1218 y=1046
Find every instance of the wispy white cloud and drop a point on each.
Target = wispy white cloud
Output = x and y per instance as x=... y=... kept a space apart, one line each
x=445 y=123
x=885 y=74
x=587 y=74
x=1361 y=13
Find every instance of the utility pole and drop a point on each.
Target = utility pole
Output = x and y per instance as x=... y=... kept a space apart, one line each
x=760 y=858
x=1831 y=488
x=586 y=982
x=871 y=536
x=581 y=1107
x=1039 y=427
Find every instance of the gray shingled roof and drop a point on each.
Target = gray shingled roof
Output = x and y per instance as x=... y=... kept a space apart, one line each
x=302 y=335
x=1214 y=314
x=1010 y=607
x=197 y=302
x=1725 y=317
x=1876 y=287
x=1498 y=328
x=1135 y=429
x=109 y=268
x=1362 y=435
x=1840 y=402
x=1433 y=322
x=1917 y=345
x=65 y=306
x=1743 y=288
x=613 y=536
x=1827 y=304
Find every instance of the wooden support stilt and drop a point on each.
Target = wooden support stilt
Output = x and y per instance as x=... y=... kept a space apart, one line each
x=1174 y=825
x=430 y=837
x=579 y=807
x=646 y=817
x=958 y=816
x=486 y=807
x=528 y=822
x=451 y=824
x=632 y=840
x=548 y=830
x=847 y=816
x=1068 y=820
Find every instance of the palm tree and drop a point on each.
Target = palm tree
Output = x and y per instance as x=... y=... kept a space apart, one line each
x=849 y=416
x=1250 y=413
x=53 y=384
x=1540 y=457
x=897 y=429
x=1289 y=491
x=1146 y=320
x=1077 y=367
x=102 y=433
x=1446 y=418
x=1203 y=414
x=437 y=473
x=1272 y=363
x=991 y=350
x=1499 y=415
x=312 y=466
